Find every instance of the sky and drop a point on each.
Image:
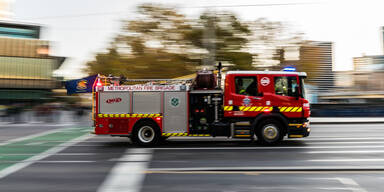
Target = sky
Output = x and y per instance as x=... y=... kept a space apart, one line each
x=79 y=29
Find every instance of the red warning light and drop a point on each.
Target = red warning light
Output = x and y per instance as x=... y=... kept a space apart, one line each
x=99 y=84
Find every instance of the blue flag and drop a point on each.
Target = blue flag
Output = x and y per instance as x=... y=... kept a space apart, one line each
x=83 y=85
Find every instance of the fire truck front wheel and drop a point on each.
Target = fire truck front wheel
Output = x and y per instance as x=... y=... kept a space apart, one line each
x=146 y=133
x=269 y=132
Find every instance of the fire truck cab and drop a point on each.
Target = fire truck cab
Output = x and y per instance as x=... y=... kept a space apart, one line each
x=266 y=105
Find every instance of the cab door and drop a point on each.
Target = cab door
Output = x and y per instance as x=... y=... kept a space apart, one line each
x=286 y=95
x=247 y=101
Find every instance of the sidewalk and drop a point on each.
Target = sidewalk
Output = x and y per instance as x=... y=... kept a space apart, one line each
x=345 y=120
x=59 y=118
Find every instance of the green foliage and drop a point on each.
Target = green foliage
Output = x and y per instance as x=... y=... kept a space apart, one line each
x=162 y=43
x=105 y=63
x=224 y=37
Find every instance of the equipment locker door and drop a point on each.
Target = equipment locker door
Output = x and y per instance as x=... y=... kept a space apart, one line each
x=175 y=117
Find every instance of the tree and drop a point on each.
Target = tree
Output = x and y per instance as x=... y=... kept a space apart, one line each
x=269 y=40
x=162 y=43
x=224 y=38
x=149 y=47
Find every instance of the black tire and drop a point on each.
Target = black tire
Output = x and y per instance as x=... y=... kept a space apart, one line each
x=146 y=133
x=269 y=132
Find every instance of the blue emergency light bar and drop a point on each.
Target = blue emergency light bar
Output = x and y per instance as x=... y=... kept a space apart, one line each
x=289 y=68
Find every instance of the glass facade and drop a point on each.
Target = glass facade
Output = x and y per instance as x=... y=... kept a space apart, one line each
x=16 y=30
x=34 y=73
x=26 y=68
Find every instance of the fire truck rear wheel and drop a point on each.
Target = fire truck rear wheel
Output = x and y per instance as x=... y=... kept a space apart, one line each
x=146 y=133
x=269 y=132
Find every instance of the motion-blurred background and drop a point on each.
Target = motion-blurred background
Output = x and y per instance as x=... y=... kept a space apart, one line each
x=45 y=42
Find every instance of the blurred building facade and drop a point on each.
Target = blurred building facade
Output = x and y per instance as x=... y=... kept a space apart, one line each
x=369 y=73
x=316 y=58
x=25 y=64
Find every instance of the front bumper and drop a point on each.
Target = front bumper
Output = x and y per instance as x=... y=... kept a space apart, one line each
x=298 y=130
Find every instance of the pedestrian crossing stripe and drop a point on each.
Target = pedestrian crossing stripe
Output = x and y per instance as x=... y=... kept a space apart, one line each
x=184 y=135
x=134 y=115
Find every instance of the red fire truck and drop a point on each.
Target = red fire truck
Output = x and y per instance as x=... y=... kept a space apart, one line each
x=264 y=104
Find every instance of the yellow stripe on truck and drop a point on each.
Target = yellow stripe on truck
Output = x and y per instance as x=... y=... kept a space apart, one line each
x=294 y=109
x=100 y=115
x=300 y=109
x=262 y=108
x=253 y=109
x=291 y=109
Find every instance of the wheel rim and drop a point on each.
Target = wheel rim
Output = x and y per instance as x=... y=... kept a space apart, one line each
x=146 y=134
x=270 y=132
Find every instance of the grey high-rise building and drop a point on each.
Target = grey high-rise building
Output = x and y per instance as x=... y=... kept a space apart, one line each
x=316 y=59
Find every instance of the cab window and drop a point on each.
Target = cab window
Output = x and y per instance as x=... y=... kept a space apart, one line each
x=286 y=86
x=246 y=85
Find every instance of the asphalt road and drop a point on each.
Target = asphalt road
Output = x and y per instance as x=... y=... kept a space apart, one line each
x=65 y=157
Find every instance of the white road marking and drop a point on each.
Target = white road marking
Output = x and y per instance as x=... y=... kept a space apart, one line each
x=80 y=154
x=135 y=157
x=9 y=170
x=351 y=184
x=334 y=188
x=345 y=142
x=38 y=124
x=76 y=161
x=274 y=168
x=35 y=143
x=287 y=147
x=343 y=151
x=310 y=138
x=335 y=138
x=346 y=160
x=128 y=175
x=31 y=136
x=290 y=188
